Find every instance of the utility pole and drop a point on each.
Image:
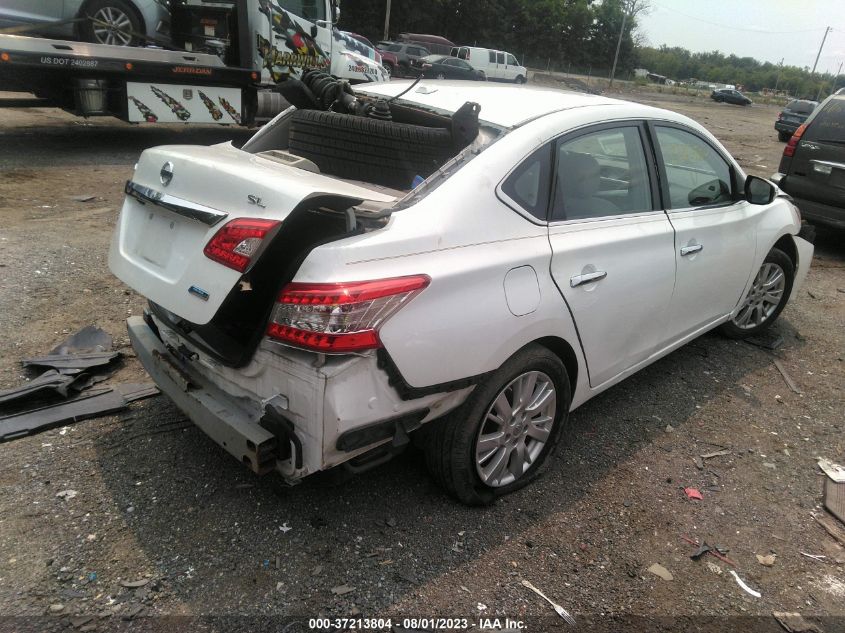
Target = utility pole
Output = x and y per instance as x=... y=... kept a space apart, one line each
x=618 y=45
x=835 y=79
x=826 y=31
x=387 y=21
x=777 y=81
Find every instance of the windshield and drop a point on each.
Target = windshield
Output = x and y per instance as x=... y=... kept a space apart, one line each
x=308 y=9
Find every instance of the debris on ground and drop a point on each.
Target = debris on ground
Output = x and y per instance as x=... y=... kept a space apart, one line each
x=831 y=527
x=341 y=590
x=714 y=568
x=817 y=557
x=563 y=613
x=134 y=584
x=794 y=623
x=717 y=551
x=786 y=377
x=744 y=586
x=767 y=560
x=93 y=403
x=66 y=494
x=767 y=340
x=716 y=454
x=834 y=488
x=693 y=493
x=84 y=198
x=659 y=570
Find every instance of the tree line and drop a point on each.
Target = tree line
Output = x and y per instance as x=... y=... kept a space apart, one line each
x=577 y=36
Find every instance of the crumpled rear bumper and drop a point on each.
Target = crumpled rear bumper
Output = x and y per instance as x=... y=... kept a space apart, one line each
x=218 y=415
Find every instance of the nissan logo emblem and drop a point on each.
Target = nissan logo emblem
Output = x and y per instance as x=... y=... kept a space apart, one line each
x=166 y=173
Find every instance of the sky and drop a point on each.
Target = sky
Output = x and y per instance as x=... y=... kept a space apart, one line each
x=768 y=30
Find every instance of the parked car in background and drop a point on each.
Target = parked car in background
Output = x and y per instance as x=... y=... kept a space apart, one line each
x=812 y=168
x=728 y=95
x=435 y=44
x=405 y=54
x=117 y=19
x=559 y=243
x=386 y=59
x=496 y=65
x=445 y=67
x=792 y=116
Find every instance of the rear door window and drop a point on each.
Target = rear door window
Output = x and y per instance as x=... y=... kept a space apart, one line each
x=492 y=55
x=601 y=174
x=829 y=123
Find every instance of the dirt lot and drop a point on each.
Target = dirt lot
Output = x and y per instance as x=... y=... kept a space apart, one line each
x=158 y=501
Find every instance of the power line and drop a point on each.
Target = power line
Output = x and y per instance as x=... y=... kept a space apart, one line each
x=735 y=28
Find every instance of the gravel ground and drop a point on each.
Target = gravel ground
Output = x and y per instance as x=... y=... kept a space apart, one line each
x=161 y=507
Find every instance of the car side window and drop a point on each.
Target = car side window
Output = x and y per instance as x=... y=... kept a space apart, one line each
x=500 y=58
x=599 y=174
x=492 y=55
x=528 y=184
x=697 y=175
x=512 y=60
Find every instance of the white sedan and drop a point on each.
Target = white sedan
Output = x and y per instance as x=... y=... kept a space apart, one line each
x=462 y=264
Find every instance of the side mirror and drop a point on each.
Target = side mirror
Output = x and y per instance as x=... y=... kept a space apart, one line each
x=759 y=191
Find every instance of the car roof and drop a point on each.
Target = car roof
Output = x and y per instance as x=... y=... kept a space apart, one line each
x=502 y=105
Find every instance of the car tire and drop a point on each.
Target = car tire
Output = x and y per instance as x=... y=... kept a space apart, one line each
x=388 y=69
x=452 y=444
x=520 y=79
x=783 y=137
x=765 y=299
x=120 y=13
x=360 y=148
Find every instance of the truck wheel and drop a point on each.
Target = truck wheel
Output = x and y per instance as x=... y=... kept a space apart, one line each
x=116 y=20
x=360 y=148
x=500 y=439
x=766 y=298
x=520 y=79
x=388 y=68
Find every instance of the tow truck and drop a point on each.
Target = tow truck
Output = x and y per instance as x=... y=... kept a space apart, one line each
x=228 y=60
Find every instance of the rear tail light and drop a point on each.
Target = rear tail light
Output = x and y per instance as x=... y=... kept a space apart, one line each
x=789 y=150
x=238 y=243
x=340 y=317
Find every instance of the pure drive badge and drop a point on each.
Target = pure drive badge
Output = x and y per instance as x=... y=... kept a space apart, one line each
x=198 y=292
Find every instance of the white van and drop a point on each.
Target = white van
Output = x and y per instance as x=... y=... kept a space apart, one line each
x=497 y=65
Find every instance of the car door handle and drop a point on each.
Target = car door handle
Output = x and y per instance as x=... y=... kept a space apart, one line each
x=586 y=278
x=689 y=250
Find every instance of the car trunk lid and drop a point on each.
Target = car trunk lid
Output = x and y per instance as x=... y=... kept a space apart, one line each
x=180 y=197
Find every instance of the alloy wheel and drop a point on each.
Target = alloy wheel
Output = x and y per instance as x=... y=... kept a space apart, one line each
x=112 y=26
x=764 y=297
x=515 y=428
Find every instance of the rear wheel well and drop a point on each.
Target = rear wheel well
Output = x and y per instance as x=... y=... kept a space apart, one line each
x=564 y=351
x=787 y=245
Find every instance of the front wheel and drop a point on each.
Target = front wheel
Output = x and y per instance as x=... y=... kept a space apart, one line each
x=766 y=298
x=520 y=79
x=500 y=439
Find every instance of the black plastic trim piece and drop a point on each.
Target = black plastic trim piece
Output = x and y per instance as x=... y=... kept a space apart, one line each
x=407 y=392
x=274 y=421
x=397 y=428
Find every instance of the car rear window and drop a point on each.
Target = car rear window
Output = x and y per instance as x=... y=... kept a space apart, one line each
x=829 y=123
x=801 y=107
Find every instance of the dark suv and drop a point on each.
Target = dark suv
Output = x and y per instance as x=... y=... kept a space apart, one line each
x=730 y=96
x=812 y=169
x=406 y=54
x=793 y=115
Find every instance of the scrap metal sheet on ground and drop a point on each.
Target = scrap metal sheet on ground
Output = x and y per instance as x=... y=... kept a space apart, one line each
x=171 y=103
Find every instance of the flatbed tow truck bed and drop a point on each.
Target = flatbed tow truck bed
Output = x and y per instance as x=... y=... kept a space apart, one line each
x=133 y=84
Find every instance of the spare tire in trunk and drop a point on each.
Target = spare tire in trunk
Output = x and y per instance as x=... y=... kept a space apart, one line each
x=372 y=150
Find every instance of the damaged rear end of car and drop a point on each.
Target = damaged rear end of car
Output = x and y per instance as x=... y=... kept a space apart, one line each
x=283 y=372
